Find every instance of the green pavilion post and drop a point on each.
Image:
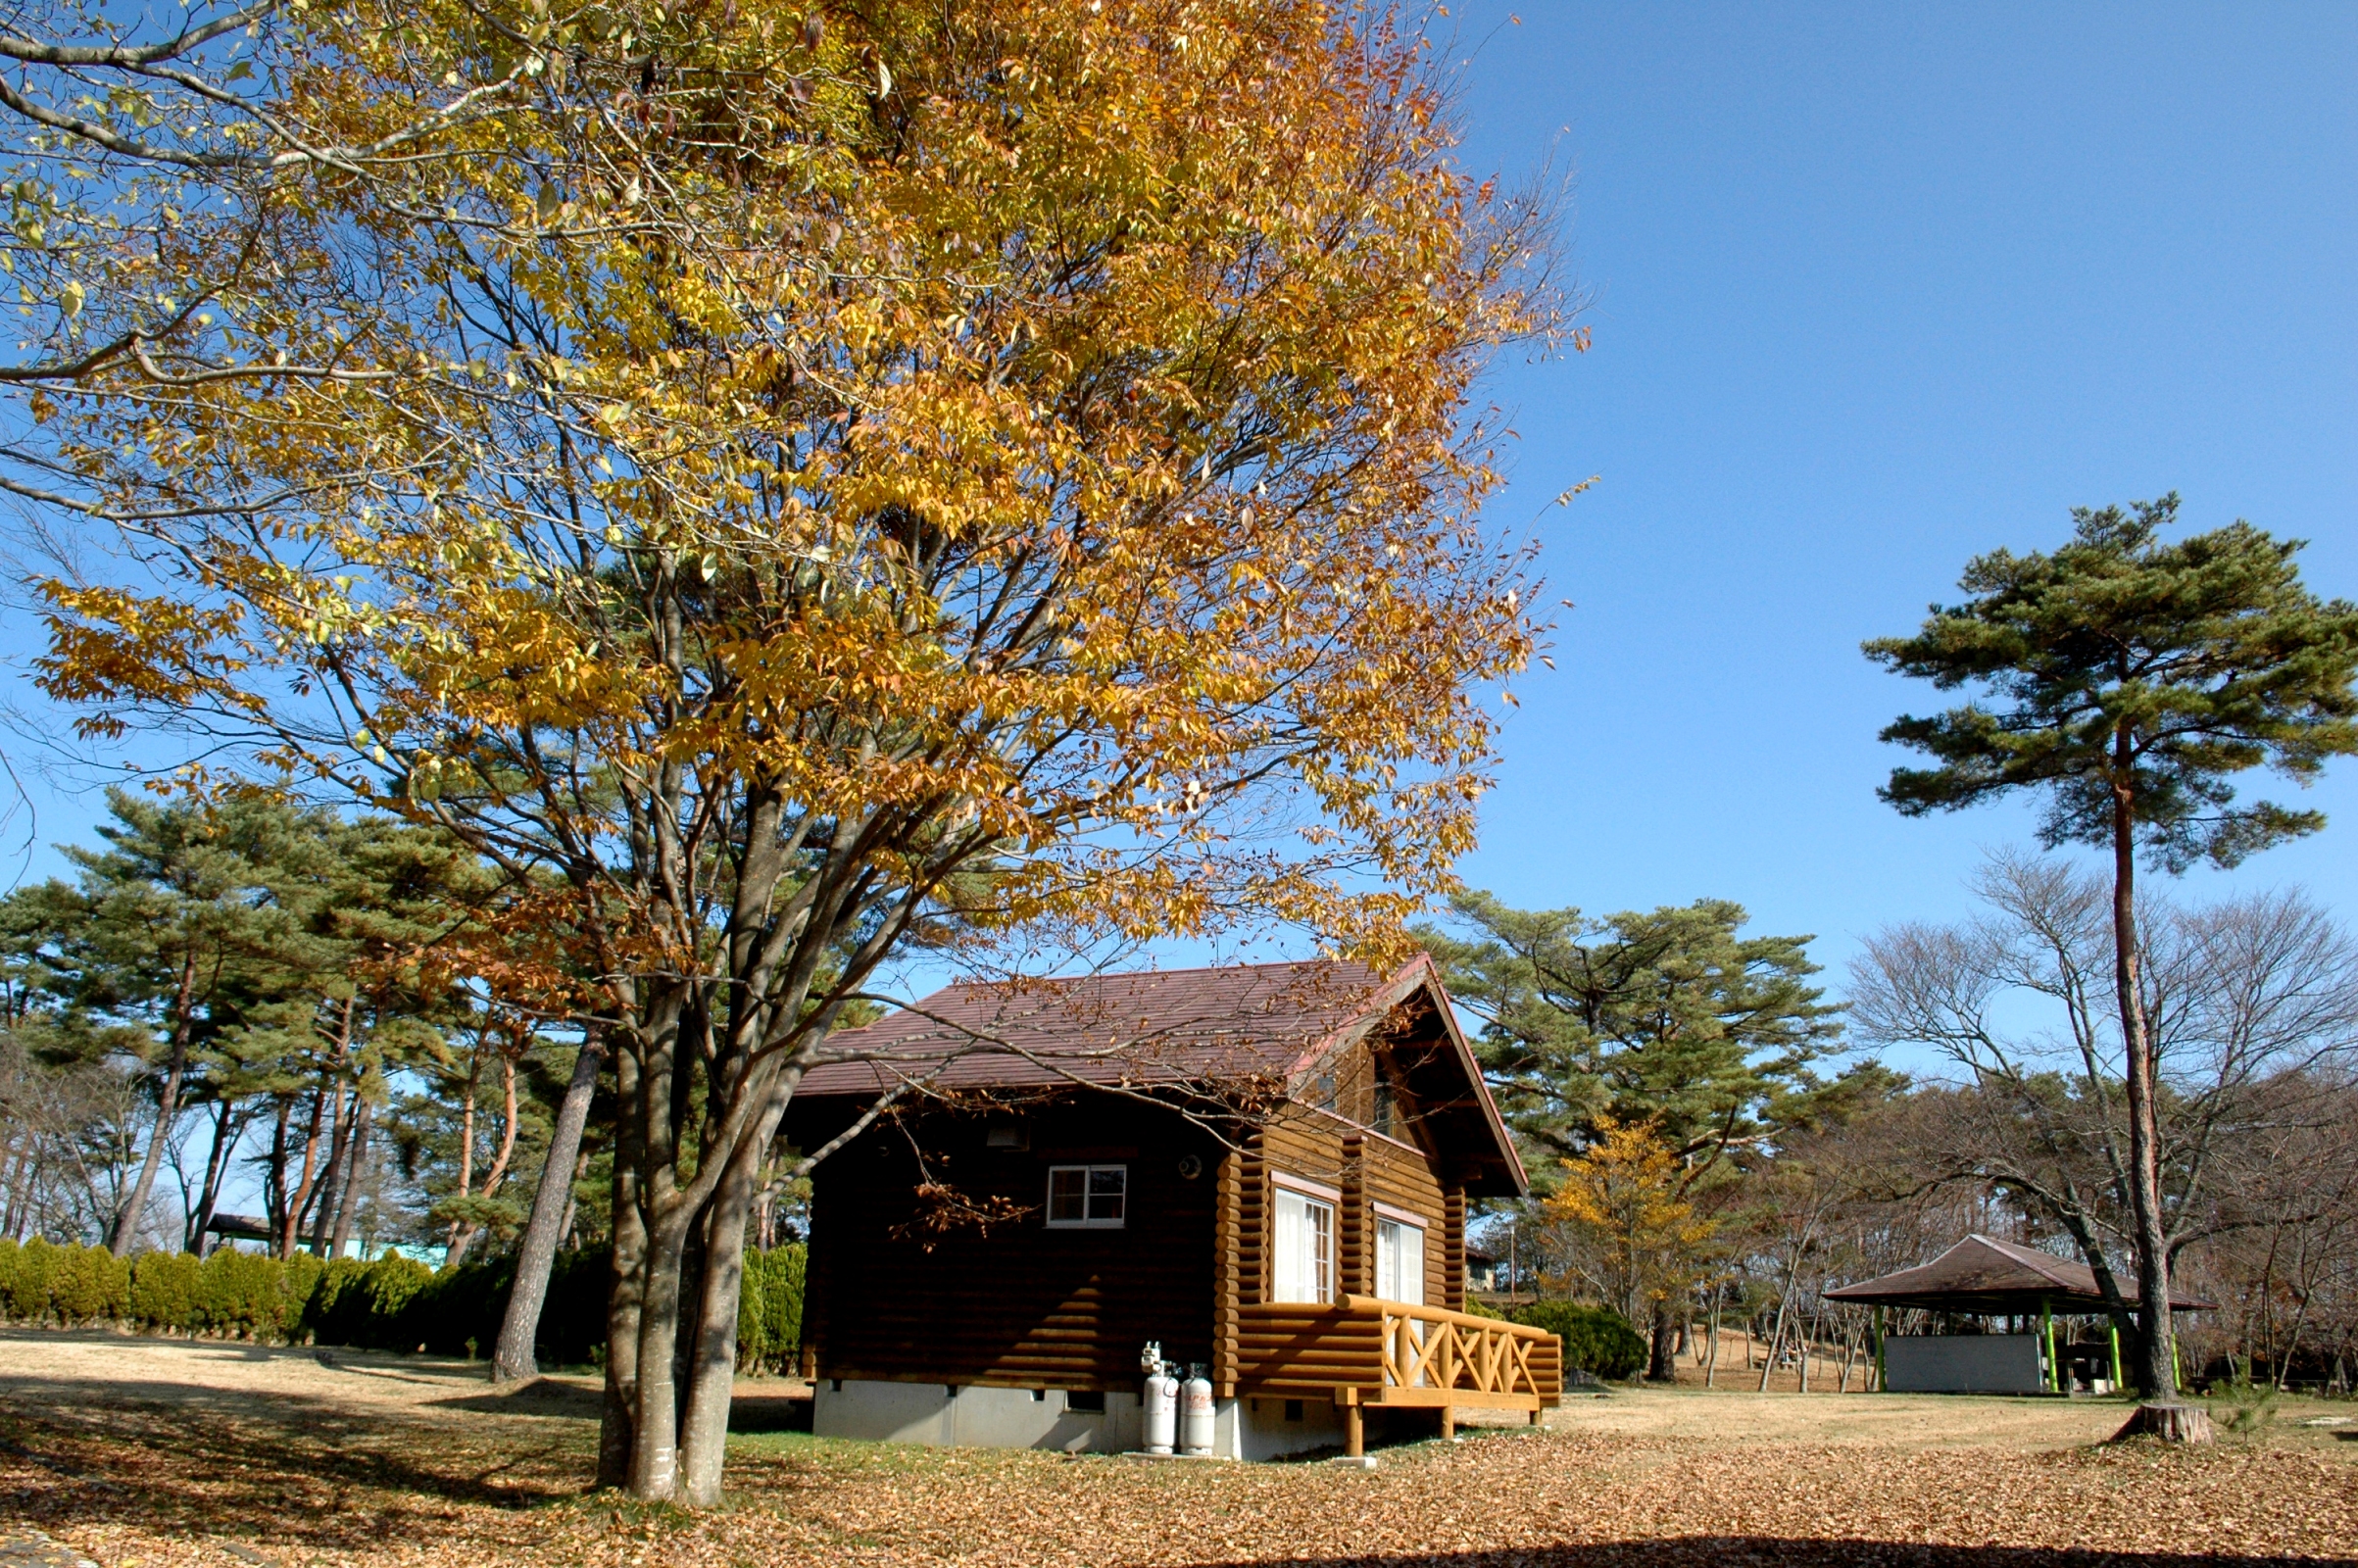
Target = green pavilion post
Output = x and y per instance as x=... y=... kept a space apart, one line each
x=2047 y=1334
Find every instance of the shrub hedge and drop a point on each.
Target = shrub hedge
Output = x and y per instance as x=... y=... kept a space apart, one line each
x=390 y=1303
x=1595 y=1339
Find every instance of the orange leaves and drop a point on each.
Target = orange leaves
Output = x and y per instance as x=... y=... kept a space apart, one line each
x=113 y=651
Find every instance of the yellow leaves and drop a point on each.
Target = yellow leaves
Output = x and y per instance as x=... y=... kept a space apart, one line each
x=111 y=650
x=1075 y=464
x=1628 y=1192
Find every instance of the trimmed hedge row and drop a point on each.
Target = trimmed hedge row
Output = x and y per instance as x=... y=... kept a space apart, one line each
x=1597 y=1339
x=770 y=1308
x=388 y=1304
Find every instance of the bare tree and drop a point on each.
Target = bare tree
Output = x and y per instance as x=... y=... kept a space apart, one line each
x=2250 y=1006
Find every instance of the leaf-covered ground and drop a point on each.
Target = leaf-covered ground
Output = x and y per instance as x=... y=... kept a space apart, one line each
x=135 y=1453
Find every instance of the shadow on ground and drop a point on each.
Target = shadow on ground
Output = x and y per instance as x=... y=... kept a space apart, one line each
x=1772 y=1551
x=748 y=1413
x=752 y=1413
x=544 y=1397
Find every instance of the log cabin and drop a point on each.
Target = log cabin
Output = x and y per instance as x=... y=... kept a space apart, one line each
x=1262 y=1168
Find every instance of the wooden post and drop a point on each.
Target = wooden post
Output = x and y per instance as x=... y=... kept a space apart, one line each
x=1452 y=1248
x=1449 y=1422
x=1228 y=1268
x=1354 y=1227
x=1354 y=1431
x=1536 y=1417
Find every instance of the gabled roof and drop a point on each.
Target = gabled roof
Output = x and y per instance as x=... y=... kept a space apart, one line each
x=1982 y=1274
x=1271 y=1023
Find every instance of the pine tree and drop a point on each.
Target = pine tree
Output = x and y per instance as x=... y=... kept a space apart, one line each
x=1669 y=1019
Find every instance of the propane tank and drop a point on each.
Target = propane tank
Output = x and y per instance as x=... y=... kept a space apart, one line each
x=1196 y=1413
x=1162 y=1401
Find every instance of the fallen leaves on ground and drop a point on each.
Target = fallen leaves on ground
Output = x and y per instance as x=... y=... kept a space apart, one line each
x=133 y=1483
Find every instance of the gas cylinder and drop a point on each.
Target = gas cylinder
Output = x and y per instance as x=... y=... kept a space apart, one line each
x=1161 y=1404
x=1196 y=1413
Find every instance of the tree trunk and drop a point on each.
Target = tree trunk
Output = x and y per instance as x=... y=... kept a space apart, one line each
x=551 y=1204
x=705 y=1428
x=291 y=1224
x=348 y=1200
x=617 y=1424
x=274 y=1185
x=1661 y=1363
x=566 y=1241
x=12 y=1171
x=167 y=1111
x=2156 y=1376
x=2171 y=1422
x=466 y=1152
x=1711 y=1344
x=331 y=1179
x=654 y=1438
x=227 y=1129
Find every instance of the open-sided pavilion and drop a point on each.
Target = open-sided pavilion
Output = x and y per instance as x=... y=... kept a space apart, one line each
x=1983 y=1277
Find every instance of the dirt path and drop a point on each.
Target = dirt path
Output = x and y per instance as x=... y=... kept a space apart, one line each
x=133 y=1453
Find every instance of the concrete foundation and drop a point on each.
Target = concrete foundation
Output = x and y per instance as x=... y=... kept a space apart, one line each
x=942 y=1416
x=1273 y=1429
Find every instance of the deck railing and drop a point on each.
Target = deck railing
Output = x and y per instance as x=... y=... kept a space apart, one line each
x=1391 y=1352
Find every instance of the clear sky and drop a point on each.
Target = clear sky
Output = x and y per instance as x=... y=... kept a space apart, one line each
x=1877 y=287
x=1874 y=288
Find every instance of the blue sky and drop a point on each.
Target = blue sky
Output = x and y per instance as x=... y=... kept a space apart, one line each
x=1875 y=288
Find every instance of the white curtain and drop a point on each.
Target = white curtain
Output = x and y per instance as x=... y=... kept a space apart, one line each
x=1399 y=1262
x=1292 y=1282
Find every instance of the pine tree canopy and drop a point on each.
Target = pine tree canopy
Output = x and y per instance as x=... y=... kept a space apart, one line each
x=1666 y=1019
x=2124 y=666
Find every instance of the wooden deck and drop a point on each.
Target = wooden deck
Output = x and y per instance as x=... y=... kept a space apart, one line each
x=1365 y=1352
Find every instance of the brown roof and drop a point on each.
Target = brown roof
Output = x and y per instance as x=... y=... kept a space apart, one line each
x=1271 y=1022
x=1982 y=1274
x=1159 y=1026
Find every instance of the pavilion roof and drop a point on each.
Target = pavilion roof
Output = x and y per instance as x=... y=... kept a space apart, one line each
x=1982 y=1274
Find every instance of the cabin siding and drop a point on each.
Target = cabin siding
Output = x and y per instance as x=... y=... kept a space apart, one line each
x=1020 y=1304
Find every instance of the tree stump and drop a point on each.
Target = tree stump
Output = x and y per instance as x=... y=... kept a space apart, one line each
x=2171 y=1423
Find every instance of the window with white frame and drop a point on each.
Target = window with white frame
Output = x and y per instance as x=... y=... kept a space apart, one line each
x=1088 y=1197
x=1305 y=1248
x=1399 y=1261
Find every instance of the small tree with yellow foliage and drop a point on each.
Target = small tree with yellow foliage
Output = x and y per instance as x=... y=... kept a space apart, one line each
x=1630 y=1225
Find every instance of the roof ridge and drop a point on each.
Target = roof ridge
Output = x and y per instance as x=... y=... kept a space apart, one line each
x=1141 y=974
x=2035 y=1258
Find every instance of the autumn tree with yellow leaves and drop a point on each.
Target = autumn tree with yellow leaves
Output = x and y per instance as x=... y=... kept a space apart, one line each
x=1633 y=1230
x=1001 y=476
